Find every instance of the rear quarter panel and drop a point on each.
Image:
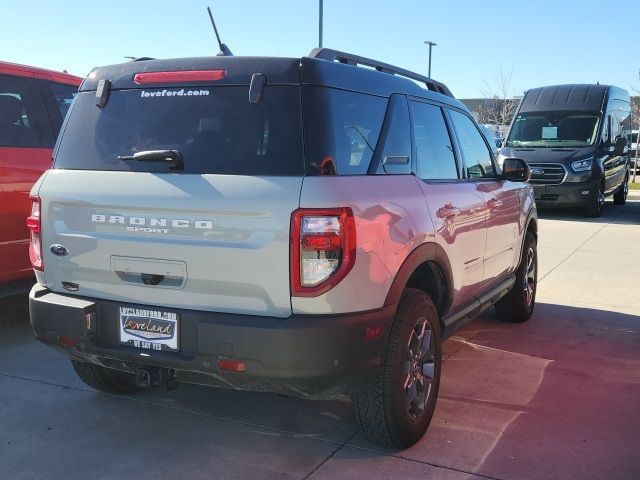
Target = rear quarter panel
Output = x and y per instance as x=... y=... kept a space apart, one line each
x=391 y=220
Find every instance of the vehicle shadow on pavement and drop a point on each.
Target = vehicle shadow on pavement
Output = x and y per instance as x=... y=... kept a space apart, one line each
x=628 y=214
x=187 y=433
x=556 y=397
x=14 y=310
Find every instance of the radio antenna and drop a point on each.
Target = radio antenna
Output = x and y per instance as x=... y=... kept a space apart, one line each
x=224 y=50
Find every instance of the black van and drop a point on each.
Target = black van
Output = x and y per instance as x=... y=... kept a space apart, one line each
x=572 y=138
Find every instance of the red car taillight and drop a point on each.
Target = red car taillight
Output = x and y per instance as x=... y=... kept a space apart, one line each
x=323 y=249
x=35 y=244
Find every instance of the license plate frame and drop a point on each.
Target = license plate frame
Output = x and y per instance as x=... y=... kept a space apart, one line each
x=149 y=329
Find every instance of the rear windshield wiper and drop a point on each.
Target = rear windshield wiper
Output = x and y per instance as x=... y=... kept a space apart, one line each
x=172 y=156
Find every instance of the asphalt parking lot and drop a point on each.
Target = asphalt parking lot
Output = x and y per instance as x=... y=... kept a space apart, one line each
x=556 y=397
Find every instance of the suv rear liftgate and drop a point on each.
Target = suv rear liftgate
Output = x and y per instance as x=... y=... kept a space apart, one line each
x=142 y=226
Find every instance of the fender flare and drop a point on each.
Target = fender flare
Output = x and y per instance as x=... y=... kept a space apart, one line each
x=532 y=217
x=427 y=252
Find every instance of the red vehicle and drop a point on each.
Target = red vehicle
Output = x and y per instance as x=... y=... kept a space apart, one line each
x=33 y=103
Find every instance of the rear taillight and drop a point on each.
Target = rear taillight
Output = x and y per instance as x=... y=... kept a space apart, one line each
x=323 y=249
x=35 y=244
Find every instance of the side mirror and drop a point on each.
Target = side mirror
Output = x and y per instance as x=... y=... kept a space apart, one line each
x=621 y=146
x=516 y=170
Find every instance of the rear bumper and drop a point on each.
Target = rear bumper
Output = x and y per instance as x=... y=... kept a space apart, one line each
x=315 y=356
x=567 y=194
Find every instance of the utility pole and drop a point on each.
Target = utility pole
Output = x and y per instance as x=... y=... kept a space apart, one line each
x=320 y=24
x=431 y=45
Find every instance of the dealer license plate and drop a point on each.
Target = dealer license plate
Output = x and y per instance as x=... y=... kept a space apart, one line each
x=149 y=329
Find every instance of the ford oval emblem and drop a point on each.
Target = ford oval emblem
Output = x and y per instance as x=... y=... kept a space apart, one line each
x=537 y=171
x=59 y=250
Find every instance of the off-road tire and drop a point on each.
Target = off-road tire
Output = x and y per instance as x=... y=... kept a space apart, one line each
x=104 y=379
x=620 y=197
x=516 y=306
x=382 y=409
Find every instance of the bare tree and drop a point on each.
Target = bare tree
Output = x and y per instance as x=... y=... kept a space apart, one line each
x=499 y=105
x=635 y=125
x=635 y=112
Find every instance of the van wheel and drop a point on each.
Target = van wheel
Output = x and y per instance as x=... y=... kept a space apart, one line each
x=517 y=305
x=396 y=409
x=596 y=202
x=620 y=197
x=104 y=379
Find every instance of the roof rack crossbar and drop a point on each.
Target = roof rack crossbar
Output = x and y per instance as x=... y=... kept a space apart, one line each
x=355 y=60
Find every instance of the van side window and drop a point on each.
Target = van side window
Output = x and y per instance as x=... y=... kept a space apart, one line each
x=475 y=152
x=23 y=120
x=621 y=119
x=434 y=152
x=606 y=128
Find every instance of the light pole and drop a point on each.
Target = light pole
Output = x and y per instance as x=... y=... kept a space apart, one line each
x=431 y=45
x=320 y=24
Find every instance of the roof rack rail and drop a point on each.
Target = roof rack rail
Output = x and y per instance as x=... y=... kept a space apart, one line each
x=350 y=59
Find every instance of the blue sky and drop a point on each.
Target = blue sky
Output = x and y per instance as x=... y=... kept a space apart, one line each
x=537 y=43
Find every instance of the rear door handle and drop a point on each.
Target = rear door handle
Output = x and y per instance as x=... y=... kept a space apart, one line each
x=448 y=212
x=494 y=203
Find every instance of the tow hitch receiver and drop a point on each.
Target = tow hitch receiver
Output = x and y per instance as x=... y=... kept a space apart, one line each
x=154 y=376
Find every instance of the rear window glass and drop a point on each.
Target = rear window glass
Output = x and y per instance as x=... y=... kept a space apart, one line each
x=216 y=129
x=341 y=130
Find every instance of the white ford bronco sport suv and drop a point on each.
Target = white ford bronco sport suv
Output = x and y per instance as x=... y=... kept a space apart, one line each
x=305 y=226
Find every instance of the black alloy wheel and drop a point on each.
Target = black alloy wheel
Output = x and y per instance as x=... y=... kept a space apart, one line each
x=518 y=304
x=419 y=368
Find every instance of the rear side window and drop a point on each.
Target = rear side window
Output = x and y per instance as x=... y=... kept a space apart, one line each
x=341 y=130
x=23 y=117
x=216 y=129
x=435 y=160
x=63 y=95
x=475 y=152
x=394 y=145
